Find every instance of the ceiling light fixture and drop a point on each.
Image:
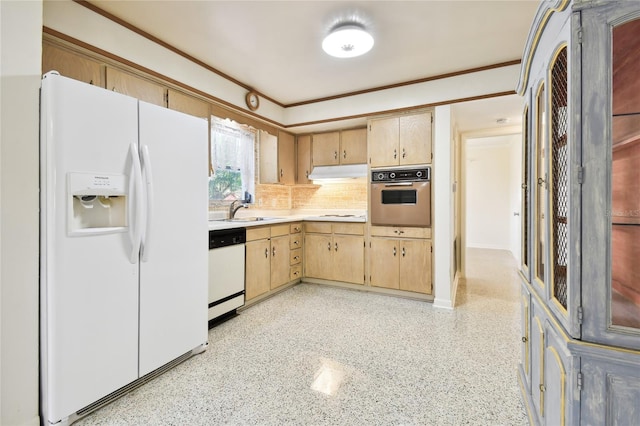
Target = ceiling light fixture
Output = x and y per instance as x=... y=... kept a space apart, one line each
x=347 y=41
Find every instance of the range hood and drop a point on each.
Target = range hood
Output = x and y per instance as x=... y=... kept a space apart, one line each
x=338 y=172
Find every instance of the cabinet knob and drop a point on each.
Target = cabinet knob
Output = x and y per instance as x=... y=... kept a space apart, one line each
x=281 y=172
x=336 y=246
x=542 y=388
x=524 y=339
x=296 y=258
x=306 y=173
x=266 y=253
x=404 y=153
x=329 y=246
x=335 y=155
x=273 y=251
x=395 y=154
x=403 y=252
x=394 y=251
x=344 y=154
x=296 y=242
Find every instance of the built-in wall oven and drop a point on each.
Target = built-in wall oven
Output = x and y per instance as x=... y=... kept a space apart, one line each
x=401 y=196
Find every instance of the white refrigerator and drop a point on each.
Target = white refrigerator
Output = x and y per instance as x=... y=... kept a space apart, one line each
x=124 y=243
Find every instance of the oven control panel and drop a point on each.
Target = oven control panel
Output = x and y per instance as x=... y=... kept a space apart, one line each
x=401 y=175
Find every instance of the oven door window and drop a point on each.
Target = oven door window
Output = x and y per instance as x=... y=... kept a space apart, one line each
x=399 y=196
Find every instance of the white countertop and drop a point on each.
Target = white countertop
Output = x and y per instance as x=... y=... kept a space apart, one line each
x=272 y=220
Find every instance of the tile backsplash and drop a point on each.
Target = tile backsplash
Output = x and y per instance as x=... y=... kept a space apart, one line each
x=330 y=196
x=337 y=196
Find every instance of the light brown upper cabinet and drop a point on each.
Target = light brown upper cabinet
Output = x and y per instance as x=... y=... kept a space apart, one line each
x=70 y=64
x=286 y=158
x=188 y=104
x=402 y=140
x=277 y=158
x=137 y=87
x=353 y=146
x=325 y=149
x=340 y=147
x=304 y=159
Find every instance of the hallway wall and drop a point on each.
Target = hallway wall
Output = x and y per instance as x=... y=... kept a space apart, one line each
x=489 y=174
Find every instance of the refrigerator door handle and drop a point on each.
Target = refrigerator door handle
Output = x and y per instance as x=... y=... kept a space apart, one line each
x=135 y=210
x=148 y=180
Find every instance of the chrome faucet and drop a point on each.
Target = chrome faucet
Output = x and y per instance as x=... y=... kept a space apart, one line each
x=233 y=208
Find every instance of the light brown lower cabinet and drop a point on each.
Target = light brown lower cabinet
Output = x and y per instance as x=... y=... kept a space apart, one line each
x=334 y=251
x=270 y=262
x=279 y=261
x=258 y=268
x=400 y=263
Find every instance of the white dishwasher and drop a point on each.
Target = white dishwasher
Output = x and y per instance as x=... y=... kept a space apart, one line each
x=226 y=271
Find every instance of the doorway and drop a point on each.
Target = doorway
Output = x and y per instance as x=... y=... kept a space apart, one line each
x=492 y=168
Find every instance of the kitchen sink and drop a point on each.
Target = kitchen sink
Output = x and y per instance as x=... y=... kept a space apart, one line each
x=248 y=219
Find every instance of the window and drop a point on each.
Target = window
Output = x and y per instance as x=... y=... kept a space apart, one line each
x=232 y=161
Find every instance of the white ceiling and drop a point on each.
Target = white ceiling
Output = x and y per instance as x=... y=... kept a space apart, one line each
x=275 y=46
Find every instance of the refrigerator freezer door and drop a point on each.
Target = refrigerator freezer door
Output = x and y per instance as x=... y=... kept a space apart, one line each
x=89 y=289
x=173 y=278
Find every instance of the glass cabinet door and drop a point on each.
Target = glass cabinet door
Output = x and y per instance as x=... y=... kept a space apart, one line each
x=526 y=202
x=540 y=193
x=610 y=196
x=625 y=176
x=559 y=177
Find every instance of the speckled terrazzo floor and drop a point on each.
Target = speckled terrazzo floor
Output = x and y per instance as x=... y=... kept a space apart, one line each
x=316 y=355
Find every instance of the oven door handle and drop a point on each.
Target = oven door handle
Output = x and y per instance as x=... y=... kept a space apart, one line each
x=399 y=184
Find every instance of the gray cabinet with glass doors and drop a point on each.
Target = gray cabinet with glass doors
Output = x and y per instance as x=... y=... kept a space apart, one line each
x=581 y=214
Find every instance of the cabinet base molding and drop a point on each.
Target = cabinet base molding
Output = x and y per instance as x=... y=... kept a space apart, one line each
x=371 y=289
x=268 y=294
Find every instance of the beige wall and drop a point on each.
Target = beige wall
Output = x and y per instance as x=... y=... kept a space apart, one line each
x=20 y=68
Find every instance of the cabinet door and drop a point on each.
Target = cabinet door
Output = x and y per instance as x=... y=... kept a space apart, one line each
x=279 y=261
x=525 y=322
x=182 y=102
x=348 y=259
x=286 y=158
x=258 y=268
x=326 y=147
x=415 y=139
x=137 y=87
x=384 y=265
x=537 y=360
x=415 y=265
x=269 y=172
x=384 y=142
x=556 y=386
x=304 y=159
x=317 y=256
x=353 y=146
x=70 y=64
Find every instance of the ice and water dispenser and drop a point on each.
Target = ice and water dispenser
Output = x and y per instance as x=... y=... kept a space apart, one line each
x=97 y=203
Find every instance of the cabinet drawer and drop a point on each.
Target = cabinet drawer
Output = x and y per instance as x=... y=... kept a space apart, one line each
x=400 y=231
x=295 y=256
x=279 y=230
x=318 y=227
x=260 y=233
x=295 y=228
x=295 y=241
x=348 y=228
x=295 y=272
